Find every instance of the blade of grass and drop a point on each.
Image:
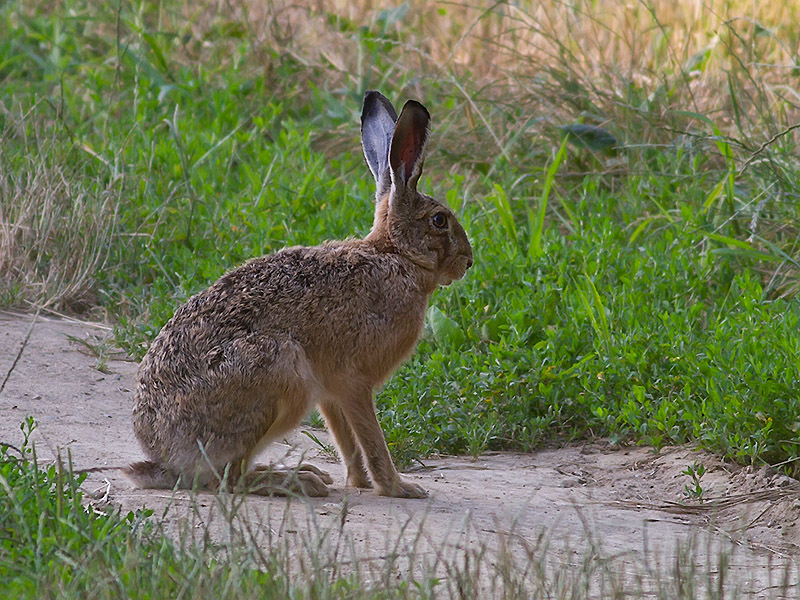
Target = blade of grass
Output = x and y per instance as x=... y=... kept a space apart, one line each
x=503 y=208
x=536 y=221
x=724 y=239
x=595 y=310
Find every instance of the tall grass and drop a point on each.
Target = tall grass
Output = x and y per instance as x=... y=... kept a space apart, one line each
x=56 y=227
x=708 y=81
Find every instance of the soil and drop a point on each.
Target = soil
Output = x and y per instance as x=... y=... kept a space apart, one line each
x=629 y=501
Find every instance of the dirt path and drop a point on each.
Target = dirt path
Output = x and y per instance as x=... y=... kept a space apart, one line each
x=631 y=502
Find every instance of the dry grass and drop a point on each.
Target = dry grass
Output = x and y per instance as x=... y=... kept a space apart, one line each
x=473 y=562
x=636 y=66
x=611 y=61
x=654 y=74
x=56 y=231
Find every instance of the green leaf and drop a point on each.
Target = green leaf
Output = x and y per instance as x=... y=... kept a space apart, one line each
x=715 y=193
x=503 y=208
x=536 y=222
x=641 y=227
x=445 y=330
x=751 y=254
x=727 y=240
x=589 y=136
x=152 y=43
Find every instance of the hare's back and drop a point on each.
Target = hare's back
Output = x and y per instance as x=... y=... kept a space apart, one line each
x=313 y=295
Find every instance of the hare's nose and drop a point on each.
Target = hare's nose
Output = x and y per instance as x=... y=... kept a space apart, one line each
x=470 y=262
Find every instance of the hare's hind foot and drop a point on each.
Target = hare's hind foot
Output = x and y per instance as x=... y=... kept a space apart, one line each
x=304 y=480
x=402 y=489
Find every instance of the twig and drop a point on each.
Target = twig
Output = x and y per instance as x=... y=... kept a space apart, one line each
x=98 y=469
x=21 y=349
x=65 y=317
x=6 y=446
x=713 y=504
x=763 y=146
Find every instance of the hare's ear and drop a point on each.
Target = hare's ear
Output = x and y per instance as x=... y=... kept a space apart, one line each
x=378 y=117
x=407 y=152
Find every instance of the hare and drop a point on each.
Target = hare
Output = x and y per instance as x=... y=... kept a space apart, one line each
x=241 y=363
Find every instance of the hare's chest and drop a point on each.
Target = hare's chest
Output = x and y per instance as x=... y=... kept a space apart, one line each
x=395 y=344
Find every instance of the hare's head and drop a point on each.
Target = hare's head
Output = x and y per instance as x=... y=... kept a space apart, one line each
x=412 y=224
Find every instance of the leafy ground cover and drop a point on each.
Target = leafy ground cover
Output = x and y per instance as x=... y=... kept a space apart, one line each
x=637 y=281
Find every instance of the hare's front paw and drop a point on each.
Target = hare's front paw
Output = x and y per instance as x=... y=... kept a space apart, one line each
x=402 y=489
x=305 y=480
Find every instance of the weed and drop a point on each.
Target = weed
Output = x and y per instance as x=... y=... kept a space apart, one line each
x=100 y=349
x=327 y=449
x=694 y=489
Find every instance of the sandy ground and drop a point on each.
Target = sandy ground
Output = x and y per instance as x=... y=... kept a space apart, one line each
x=631 y=502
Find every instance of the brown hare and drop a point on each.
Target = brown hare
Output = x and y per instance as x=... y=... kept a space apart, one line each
x=241 y=363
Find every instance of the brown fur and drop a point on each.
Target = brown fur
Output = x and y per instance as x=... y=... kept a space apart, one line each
x=241 y=363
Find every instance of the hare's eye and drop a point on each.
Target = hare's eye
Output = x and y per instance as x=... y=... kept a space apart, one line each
x=439 y=220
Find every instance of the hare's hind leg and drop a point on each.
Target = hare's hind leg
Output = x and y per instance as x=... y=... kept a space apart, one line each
x=347 y=444
x=359 y=412
x=149 y=474
x=286 y=389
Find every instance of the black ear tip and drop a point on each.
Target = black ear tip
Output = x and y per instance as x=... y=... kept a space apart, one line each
x=373 y=102
x=417 y=112
x=369 y=102
x=415 y=106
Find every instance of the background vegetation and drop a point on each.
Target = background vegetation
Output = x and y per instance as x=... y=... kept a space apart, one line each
x=638 y=282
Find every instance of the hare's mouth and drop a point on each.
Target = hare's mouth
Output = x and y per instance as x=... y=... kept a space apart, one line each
x=457 y=271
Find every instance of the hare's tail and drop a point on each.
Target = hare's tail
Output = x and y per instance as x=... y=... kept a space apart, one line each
x=147 y=474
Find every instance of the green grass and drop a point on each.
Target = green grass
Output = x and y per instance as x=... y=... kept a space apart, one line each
x=646 y=294
x=53 y=545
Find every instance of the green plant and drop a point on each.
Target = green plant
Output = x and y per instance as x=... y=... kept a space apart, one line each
x=694 y=489
x=58 y=543
x=327 y=449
